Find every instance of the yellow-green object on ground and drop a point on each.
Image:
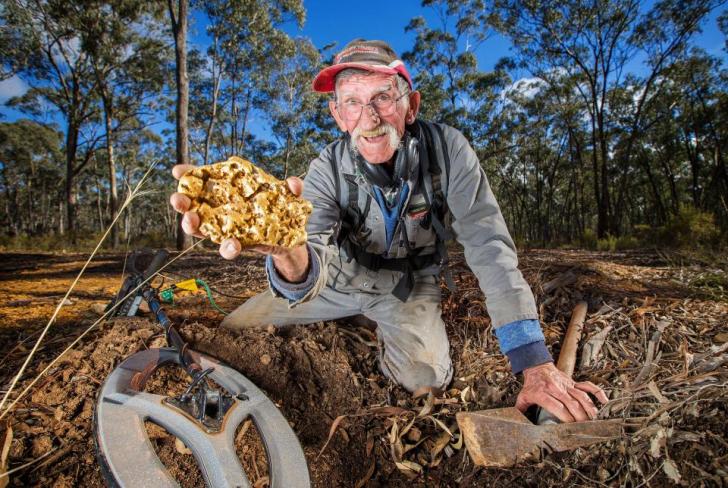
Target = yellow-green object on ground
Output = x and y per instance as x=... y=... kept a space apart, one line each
x=192 y=284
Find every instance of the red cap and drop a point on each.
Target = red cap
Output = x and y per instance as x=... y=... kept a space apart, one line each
x=374 y=56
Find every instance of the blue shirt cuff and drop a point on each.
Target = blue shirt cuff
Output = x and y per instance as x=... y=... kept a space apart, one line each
x=518 y=333
x=292 y=291
x=524 y=344
x=527 y=356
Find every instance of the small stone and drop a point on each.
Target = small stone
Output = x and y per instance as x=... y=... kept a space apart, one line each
x=414 y=434
x=265 y=359
x=41 y=445
x=181 y=448
x=721 y=338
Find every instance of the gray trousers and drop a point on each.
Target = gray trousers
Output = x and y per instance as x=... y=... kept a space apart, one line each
x=414 y=349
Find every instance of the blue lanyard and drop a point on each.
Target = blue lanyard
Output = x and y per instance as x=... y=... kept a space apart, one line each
x=391 y=215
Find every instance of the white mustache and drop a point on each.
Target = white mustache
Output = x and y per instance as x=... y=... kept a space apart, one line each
x=381 y=129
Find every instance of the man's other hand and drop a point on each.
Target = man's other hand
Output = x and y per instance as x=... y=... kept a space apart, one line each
x=567 y=400
x=229 y=248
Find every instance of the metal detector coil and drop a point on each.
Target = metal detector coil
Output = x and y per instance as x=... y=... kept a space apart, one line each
x=127 y=455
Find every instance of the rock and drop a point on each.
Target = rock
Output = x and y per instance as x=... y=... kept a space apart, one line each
x=234 y=198
x=265 y=359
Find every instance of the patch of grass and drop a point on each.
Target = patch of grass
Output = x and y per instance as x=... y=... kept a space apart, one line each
x=711 y=283
x=85 y=242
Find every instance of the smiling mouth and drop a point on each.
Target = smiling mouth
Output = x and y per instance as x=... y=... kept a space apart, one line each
x=372 y=135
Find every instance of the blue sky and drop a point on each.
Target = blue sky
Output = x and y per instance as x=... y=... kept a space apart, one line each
x=330 y=21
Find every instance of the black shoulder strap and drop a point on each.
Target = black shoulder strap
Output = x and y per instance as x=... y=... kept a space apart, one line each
x=335 y=161
x=351 y=216
x=436 y=151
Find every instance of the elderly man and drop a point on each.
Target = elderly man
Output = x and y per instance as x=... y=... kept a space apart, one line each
x=381 y=196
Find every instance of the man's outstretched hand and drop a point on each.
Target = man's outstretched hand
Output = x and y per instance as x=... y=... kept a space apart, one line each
x=567 y=400
x=291 y=262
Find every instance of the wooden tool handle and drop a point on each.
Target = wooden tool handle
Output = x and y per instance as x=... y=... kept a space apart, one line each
x=567 y=357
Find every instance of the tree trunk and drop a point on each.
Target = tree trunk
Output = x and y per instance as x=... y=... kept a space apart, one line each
x=71 y=143
x=601 y=211
x=179 y=29
x=246 y=112
x=99 y=208
x=61 y=223
x=661 y=214
x=213 y=115
x=234 y=113
x=288 y=154
x=113 y=195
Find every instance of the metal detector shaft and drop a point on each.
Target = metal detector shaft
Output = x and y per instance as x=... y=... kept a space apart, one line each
x=173 y=338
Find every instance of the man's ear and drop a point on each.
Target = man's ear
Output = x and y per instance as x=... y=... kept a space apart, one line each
x=335 y=113
x=414 y=107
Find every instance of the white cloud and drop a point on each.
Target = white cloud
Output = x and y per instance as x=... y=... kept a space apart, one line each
x=12 y=87
x=527 y=87
x=68 y=52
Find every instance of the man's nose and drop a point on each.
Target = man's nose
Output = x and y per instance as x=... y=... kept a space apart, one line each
x=369 y=116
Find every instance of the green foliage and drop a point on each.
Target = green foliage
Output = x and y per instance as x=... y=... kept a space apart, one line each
x=691 y=228
x=30 y=171
x=443 y=57
x=575 y=142
x=609 y=243
x=627 y=242
x=589 y=240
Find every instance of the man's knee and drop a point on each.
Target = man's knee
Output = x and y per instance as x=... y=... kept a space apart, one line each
x=258 y=311
x=418 y=375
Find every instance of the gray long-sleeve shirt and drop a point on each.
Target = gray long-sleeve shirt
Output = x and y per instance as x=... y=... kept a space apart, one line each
x=477 y=224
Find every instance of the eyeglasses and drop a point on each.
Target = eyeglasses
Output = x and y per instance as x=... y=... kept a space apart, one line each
x=383 y=104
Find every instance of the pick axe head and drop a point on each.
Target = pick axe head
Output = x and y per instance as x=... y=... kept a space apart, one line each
x=503 y=437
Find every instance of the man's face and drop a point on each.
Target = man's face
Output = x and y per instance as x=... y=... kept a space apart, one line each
x=375 y=136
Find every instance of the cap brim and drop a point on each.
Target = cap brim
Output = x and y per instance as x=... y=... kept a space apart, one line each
x=325 y=81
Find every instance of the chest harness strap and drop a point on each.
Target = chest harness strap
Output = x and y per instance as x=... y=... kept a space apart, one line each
x=352 y=242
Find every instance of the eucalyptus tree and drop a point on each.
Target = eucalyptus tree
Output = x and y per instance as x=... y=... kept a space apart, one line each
x=42 y=46
x=178 y=11
x=31 y=167
x=594 y=42
x=691 y=133
x=206 y=82
x=290 y=104
x=128 y=64
x=443 y=56
x=249 y=43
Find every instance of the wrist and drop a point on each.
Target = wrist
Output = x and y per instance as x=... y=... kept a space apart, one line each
x=539 y=367
x=292 y=264
x=529 y=356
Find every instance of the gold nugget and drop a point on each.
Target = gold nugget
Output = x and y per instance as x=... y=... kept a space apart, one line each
x=234 y=198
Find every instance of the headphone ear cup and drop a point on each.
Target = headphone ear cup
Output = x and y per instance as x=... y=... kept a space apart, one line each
x=408 y=153
x=413 y=151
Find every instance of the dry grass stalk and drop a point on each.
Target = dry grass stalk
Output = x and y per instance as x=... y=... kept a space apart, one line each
x=90 y=328
x=131 y=196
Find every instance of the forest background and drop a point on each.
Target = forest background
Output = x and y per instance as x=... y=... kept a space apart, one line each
x=603 y=124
